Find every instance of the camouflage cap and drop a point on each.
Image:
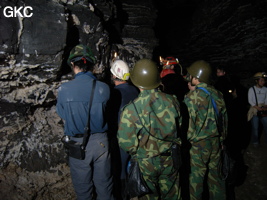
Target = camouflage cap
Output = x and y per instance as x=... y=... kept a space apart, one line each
x=80 y=52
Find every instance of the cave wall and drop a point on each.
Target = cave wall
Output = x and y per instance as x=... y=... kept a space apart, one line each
x=33 y=53
x=236 y=31
x=229 y=33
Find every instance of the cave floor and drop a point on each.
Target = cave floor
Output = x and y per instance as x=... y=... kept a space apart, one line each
x=254 y=184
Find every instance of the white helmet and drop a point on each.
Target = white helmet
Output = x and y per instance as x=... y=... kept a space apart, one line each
x=120 y=69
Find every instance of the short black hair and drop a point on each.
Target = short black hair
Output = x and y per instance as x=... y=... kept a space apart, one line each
x=221 y=68
x=84 y=66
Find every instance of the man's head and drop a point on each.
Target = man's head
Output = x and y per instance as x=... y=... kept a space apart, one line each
x=220 y=71
x=199 y=71
x=120 y=70
x=81 y=56
x=169 y=63
x=165 y=72
x=145 y=74
x=259 y=78
x=190 y=86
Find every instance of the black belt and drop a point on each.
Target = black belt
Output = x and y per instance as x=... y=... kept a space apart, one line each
x=81 y=135
x=78 y=136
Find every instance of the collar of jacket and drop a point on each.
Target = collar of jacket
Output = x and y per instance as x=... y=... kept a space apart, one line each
x=202 y=85
x=147 y=92
x=85 y=73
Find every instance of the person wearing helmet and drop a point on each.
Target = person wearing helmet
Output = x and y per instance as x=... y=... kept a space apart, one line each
x=148 y=128
x=203 y=133
x=165 y=72
x=172 y=64
x=120 y=70
x=122 y=93
x=225 y=85
x=257 y=98
x=173 y=83
x=73 y=107
x=169 y=63
x=81 y=52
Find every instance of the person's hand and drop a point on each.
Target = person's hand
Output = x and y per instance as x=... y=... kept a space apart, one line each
x=258 y=108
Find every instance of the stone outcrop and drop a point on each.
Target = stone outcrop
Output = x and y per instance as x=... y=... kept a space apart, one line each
x=33 y=53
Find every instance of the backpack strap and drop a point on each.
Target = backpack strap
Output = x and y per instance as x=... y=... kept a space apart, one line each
x=212 y=100
x=87 y=128
x=219 y=117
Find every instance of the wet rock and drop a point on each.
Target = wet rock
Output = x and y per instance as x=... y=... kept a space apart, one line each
x=33 y=54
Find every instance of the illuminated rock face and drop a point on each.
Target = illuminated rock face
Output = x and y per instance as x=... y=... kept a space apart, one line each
x=33 y=53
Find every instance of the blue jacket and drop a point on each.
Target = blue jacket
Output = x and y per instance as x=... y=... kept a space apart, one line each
x=120 y=96
x=73 y=103
x=128 y=93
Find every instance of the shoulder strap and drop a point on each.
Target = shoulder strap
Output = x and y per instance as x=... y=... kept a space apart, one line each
x=86 y=134
x=255 y=95
x=219 y=117
x=212 y=100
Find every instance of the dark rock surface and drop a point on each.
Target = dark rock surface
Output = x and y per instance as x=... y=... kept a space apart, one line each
x=229 y=33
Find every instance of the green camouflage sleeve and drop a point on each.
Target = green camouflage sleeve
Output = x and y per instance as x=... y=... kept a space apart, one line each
x=190 y=101
x=128 y=128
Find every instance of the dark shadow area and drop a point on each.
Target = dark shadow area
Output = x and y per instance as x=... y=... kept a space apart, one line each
x=119 y=97
x=115 y=24
x=72 y=40
x=114 y=27
x=185 y=168
x=172 y=26
x=238 y=137
x=175 y=84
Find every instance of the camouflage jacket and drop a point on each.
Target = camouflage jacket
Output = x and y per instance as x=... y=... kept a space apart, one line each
x=159 y=113
x=202 y=121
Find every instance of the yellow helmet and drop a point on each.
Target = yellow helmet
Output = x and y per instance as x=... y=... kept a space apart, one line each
x=259 y=75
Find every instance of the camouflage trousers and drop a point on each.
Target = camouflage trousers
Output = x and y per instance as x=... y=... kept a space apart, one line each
x=161 y=178
x=204 y=160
